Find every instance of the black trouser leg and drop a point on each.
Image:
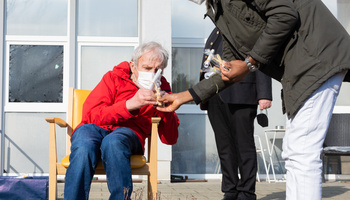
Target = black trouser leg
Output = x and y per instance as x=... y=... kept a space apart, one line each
x=233 y=126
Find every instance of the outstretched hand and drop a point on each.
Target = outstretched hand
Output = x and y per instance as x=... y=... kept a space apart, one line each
x=237 y=71
x=172 y=102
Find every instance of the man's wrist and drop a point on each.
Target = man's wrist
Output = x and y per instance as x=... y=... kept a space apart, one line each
x=252 y=64
x=185 y=96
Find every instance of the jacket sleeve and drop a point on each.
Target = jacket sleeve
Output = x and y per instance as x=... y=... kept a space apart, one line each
x=168 y=127
x=207 y=88
x=281 y=19
x=263 y=86
x=100 y=108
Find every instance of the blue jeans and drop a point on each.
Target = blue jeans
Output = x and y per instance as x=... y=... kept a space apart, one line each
x=89 y=144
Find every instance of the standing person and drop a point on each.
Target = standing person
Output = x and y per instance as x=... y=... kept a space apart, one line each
x=299 y=43
x=116 y=121
x=231 y=114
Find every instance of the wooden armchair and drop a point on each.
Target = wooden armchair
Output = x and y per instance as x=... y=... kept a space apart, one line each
x=138 y=162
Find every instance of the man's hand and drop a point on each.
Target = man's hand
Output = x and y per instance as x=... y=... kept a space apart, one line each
x=141 y=98
x=173 y=101
x=264 y=104
x=238 y=69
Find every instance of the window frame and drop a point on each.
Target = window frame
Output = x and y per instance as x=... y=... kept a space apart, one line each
x=32 y=106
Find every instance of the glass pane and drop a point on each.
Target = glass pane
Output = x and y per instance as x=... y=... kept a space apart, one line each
x=26 y=143
x=343 y=13
x=187 y=20
x=96 y=61
x=199 y=157
x=344 y=18
x=185 y=67
x=36 y=73
x=39 y=17
x=107 y=18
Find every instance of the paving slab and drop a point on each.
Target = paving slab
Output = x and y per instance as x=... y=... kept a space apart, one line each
x=211 y=190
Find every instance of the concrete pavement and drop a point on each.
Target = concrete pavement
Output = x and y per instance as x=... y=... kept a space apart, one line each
x=210 y=190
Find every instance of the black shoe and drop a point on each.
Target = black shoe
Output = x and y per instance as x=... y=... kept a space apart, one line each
x=229 y=196
x=246 y=196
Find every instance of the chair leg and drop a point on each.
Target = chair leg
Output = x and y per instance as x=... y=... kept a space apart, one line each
x=52 y=186
x=152 y=187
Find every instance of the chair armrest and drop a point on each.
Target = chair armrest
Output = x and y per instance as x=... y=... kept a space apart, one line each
x=52 y=139
x=57 y=121
x=152 y=143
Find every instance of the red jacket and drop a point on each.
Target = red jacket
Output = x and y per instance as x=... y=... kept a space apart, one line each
x=106 y=107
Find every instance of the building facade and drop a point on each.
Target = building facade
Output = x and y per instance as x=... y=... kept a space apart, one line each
x=48 y=46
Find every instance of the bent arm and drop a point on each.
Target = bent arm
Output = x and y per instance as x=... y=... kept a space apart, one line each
x=281 y=19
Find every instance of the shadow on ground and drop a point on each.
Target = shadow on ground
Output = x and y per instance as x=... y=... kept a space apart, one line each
x=275 y=196
x=327 y=192
x=332 y=191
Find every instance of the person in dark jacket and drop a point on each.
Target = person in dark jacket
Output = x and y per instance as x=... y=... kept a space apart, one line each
x=299 y=43
x=231 y=114
x=116 y=120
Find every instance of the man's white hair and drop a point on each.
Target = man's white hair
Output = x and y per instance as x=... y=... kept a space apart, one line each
x=158 y=53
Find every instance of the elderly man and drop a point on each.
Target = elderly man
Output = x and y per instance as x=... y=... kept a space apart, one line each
x=116 y=121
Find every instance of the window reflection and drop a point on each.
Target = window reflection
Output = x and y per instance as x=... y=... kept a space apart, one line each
x=195 y=151
x=36 y=17
x=97 y=60
x=36 y=73
x=108 y=18
x=185 y=67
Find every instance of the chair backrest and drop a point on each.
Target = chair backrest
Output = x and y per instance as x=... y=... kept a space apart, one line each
x=77 y=98
x=339 y=131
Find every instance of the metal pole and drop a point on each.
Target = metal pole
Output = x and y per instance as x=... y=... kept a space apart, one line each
x=2 y=132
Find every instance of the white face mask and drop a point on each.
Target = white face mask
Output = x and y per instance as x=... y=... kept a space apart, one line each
x=145 y=80
x=199 y=2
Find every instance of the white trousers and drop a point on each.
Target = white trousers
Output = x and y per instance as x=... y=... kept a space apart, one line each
x=303 y=142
